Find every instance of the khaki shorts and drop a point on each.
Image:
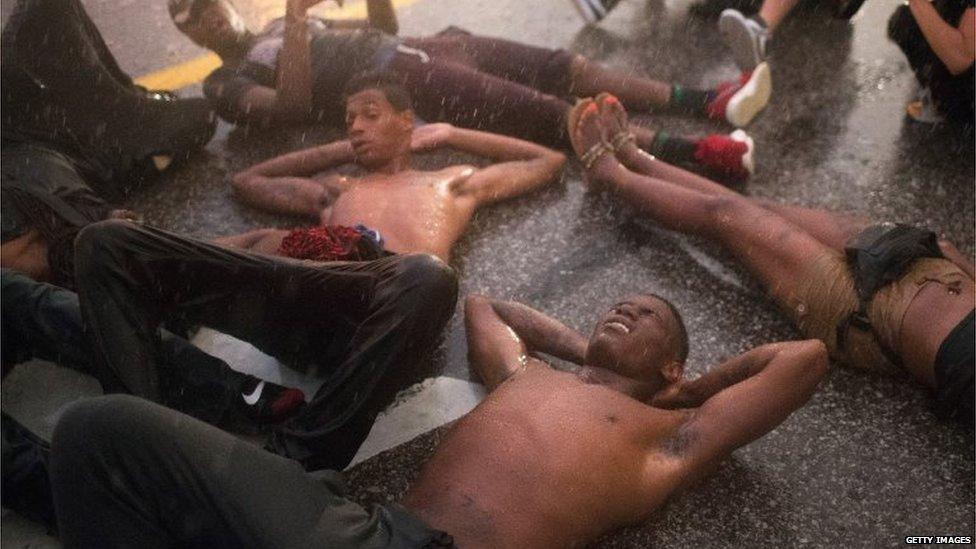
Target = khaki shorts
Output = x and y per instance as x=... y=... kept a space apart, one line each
x=825 y=296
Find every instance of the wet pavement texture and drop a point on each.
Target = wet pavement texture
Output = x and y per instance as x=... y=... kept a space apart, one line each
x=865 y=463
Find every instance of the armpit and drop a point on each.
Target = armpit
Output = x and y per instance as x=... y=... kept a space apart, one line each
x=683 y=439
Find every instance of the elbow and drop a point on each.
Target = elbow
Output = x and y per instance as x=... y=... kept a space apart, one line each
x=558 y=161
x=555 y=161
x=958 y=64
x=240 y=181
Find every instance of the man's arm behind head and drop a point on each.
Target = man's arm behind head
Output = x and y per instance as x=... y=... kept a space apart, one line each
x=745 y=398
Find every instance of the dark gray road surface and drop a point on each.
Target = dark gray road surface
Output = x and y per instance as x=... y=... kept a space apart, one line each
x=865 y=463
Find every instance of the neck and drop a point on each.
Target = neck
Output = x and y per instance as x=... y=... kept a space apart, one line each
x=395 y=165
x=636 y=389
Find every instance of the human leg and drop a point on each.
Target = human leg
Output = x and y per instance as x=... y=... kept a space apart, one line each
x=830 y=228
x=182 y=483
x=748 y=37
x=62 y=86
x=767 y=244
x=737 y=102
x=412 y=302
x=467 y=97
x=26 y=486
x=774 y=11
x=44 y=321
x=363 y=326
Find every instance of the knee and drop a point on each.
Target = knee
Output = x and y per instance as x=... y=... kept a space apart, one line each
x=432 y=282
x=91 y=426
x=96 y=243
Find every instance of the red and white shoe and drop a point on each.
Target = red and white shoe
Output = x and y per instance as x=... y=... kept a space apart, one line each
x=740 y=102
x=729 y=155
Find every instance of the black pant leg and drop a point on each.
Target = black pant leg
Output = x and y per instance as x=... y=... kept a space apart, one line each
x=26 y=485
x=411 y=303
x=128 y=473
x=44 y=321
x=364 y=326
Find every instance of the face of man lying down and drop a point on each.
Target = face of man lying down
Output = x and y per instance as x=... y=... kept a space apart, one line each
x=378 y=132
x=212 y=24
x=639 y=338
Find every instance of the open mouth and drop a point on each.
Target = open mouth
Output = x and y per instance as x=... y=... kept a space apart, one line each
x=617 y=327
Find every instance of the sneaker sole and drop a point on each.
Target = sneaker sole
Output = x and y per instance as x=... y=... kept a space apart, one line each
x=587 y=11
x=748 y=161
x=751 y=98
x=735 y=32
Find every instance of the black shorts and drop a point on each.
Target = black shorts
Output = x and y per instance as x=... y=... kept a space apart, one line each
x=954 y=365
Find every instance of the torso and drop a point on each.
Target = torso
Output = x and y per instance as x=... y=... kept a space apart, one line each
x=415 y=212
x=548 y=461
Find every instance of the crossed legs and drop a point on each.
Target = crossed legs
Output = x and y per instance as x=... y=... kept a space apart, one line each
x=773 y=241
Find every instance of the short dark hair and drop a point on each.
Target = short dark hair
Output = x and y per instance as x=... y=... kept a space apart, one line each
x=387 y=83
x=682 y=329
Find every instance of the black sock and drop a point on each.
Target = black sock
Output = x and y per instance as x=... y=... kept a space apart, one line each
x=670 y=148
x=691 y=100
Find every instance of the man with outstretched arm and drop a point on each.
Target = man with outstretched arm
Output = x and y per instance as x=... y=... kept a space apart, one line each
x=392 y=208
x=549 y=459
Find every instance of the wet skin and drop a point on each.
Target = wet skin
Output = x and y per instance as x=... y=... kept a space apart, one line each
x=414 y=211
x=922 y=332
x=555 y=459
x=549 y=460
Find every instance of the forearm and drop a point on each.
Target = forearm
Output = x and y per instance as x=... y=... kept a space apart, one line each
x=303 y=163
x=497 y=147
x=294 y=90
x=542 y=333
x=729 y=373
x=946 y=41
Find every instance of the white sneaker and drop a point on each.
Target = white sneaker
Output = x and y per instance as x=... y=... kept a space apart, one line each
x=745 y=37
x=750 y=100
x=594 y=10
x=748 y=161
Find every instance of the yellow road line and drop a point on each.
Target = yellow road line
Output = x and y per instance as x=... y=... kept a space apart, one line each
x=181 y=75
x=195 y=70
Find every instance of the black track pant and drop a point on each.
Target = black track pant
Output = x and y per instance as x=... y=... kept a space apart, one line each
x=366 y=327
x=129 y=473
x=44 y=321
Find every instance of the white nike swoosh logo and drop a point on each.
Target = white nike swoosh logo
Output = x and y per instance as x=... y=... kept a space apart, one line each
x=255 y=396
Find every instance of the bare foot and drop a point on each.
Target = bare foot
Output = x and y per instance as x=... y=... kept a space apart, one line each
x=588 y=137
x=613 y=116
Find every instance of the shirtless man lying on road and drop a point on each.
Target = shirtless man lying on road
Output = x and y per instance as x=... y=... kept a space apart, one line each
x=549 y=459
x=887 y=298
x=393 y=208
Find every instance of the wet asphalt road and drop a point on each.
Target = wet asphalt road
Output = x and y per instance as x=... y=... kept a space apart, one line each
x=865 y=463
